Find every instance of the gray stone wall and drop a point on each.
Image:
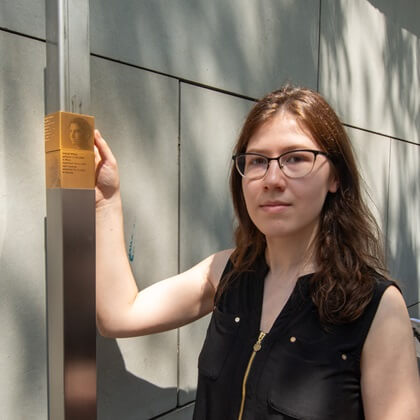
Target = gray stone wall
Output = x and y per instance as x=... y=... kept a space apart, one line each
x=171 y=82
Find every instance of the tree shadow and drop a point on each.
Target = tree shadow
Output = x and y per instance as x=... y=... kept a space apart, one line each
x=400 y=55
x=245 y=50
x=122 y=394
x=205 y=210
x=403 y=13
x=393 y=54
x=224 y=26
x=22 y=197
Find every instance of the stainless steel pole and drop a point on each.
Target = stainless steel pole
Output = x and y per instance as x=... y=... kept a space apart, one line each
x=70 y=228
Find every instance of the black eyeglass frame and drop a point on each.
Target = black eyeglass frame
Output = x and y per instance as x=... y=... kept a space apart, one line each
x=269 y=159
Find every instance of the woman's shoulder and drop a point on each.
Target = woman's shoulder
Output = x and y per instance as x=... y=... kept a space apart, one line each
x=385 y=298
x=386 y=289
x=391 y=302
x=390 y=309
x=383 y=281
x=218 y=263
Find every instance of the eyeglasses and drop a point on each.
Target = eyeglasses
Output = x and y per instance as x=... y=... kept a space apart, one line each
x=294 y=164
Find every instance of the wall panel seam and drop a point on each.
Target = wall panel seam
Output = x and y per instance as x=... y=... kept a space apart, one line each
x=11 y=31
x=388 y=201
x=160 y=416
x=179 y=237
x=319 y=47
x=367 y=130
x=179 y=78
x=235 y=94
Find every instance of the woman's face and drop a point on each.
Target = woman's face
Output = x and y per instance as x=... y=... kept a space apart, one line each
x=280 y=206
x=76 y=135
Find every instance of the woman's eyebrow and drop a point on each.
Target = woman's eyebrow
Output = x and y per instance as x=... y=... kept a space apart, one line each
x=285 y=149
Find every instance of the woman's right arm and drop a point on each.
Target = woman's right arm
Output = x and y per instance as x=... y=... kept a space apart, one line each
x=123 y=311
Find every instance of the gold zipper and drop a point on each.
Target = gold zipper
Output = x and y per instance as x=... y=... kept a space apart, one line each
x=257 y=347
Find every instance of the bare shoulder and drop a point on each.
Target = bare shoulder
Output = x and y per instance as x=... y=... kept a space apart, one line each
x=392 y=307
x=391 y=319
x=390 y=382
x=217 y=263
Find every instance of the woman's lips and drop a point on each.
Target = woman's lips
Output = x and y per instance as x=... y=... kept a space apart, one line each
x=274 y=206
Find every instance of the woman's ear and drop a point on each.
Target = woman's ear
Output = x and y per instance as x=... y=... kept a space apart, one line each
x=333 y=183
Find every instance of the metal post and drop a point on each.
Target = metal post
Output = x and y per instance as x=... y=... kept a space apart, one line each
x=70 y=228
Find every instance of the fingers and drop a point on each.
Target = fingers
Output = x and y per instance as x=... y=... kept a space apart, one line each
x=97 y=155
x=102 y=150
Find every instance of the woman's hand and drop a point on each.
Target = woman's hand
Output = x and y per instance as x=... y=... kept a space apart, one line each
x=106 y=171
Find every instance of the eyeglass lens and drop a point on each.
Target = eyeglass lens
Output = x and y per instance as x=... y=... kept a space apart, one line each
x=294 y=164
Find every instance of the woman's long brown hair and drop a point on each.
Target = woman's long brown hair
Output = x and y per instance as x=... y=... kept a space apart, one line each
x=348 y=246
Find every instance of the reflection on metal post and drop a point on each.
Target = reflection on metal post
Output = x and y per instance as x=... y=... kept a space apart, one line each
x=70 y=228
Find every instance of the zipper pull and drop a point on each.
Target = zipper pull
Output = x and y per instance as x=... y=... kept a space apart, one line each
x=257 y=345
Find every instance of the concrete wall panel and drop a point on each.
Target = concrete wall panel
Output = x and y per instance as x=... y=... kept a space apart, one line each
x=210 y=124
x=22 y=209
x=370 y=64
x=414 y=312
x=184 y=413
x=369 y=72
x=24 y=16
x=372 y=153
x=248 y=47
x=404 y=220
x=137 y=112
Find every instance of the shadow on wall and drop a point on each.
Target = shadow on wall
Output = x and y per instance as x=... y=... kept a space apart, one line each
x=401 y=60
x=115 y=383
x=136 y=112
x=397 y=60
x=141 y=133
x=373 y=85
x=403 y=244
x=404 y=13
x=25 y=333
x=249 y=49
x=22 y=197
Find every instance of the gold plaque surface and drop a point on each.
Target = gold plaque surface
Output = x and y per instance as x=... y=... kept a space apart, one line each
x=69 y=157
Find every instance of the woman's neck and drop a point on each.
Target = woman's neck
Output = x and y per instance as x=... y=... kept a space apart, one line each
x=291 y=255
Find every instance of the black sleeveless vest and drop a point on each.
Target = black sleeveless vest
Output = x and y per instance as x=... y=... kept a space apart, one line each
x=302 y=371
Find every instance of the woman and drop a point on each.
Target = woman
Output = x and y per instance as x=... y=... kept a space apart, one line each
x=305 y=324
x=80 y=134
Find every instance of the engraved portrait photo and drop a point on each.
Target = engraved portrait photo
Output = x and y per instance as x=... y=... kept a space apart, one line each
x=79 y=134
